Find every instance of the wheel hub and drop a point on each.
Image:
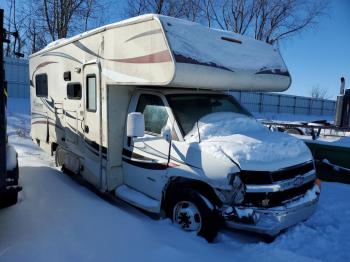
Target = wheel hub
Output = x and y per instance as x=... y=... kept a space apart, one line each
x=187 y=216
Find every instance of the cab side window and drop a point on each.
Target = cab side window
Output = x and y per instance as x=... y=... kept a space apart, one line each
x=91 y=104
x=154 y=111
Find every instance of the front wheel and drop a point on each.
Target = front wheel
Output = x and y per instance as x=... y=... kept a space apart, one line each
x=191 y=211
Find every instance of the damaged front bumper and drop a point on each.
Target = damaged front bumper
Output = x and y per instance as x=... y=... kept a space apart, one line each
x=271 y=221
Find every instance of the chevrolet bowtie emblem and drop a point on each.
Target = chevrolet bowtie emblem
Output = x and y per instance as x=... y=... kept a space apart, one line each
x=298 y=180
x=265 y=202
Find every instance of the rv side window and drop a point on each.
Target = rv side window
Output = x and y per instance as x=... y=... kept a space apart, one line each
x=74 y=91
x=91 y=93
x=41 y=85
x=154 y=111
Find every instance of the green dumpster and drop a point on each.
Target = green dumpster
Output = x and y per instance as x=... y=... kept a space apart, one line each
x=332 y=161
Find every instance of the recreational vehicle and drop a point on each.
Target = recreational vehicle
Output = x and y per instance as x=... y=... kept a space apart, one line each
x=140 y=109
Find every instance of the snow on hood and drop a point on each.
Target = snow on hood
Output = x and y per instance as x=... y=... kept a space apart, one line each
x=247 y=142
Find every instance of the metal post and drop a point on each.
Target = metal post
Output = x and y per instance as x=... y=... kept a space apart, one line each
x=295 y=105
x=310 y=106
x=279 y=104
x=261 y=101
x=2 y=107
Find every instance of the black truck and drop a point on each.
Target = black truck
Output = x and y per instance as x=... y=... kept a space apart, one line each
x=9 y=187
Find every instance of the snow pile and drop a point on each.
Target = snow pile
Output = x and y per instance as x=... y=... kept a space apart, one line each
x=329 y=140
x=11 y=158
x=247 y=142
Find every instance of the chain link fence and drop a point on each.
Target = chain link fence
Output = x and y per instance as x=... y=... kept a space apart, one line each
x=288 y=104
x=17 y=77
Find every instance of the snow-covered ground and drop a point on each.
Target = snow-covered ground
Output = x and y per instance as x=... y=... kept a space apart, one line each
x=58 y=219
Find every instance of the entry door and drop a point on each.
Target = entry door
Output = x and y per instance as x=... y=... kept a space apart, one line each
x=91 y=124
x=145 y=158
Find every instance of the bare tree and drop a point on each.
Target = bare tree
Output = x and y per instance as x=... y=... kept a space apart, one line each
x=58 y=15
x=8 y=46
x=87 y=13
x=55 y=19
x=318 y=92
x=15 y=25
x=189 y=9
x=42 y=21
x=266 y=20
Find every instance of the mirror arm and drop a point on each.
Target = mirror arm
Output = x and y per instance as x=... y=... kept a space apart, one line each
x=169 y=151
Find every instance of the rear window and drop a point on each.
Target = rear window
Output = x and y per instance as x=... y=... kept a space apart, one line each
x=41 y=85
x=74 y=91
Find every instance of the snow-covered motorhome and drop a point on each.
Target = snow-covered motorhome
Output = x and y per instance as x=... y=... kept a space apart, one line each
x=139 y=108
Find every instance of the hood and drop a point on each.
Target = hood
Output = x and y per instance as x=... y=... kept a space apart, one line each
x=246 y=142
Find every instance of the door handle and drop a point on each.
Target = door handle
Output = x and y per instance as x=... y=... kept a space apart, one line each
x=86 y=129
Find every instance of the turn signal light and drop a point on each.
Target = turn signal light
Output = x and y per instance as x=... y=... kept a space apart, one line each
x=318 y=183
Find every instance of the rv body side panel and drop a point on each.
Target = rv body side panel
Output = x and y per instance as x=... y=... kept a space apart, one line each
x=218 y=59
x=123 y=54
x=137 y=54
x=118 y=98
x=163 y=51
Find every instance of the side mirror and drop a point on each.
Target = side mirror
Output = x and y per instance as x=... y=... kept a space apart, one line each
x=166 y=133
x=135 y=126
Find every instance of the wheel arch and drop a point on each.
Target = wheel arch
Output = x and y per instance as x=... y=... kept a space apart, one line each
x=176 y=183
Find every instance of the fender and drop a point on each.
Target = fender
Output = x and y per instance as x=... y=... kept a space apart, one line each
x=182 y=182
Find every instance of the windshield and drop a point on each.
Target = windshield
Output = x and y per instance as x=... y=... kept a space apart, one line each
x=188 y=109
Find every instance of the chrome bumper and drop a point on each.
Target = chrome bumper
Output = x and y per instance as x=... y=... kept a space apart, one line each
x=272 y=220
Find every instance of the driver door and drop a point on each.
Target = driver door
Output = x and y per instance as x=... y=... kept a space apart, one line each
x=145 y=158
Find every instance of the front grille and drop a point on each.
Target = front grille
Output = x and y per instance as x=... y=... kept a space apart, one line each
x=275 y=198
x=266 y=177
x=255 y=177
x=291 y=172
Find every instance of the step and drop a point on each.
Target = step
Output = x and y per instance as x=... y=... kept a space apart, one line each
x=138 y=199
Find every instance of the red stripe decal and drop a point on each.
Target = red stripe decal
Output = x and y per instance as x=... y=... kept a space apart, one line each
x=159 y=57
x=43 y=122
x=171 y=164
x=39 y=122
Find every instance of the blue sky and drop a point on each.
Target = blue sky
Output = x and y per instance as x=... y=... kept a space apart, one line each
x=321 y=55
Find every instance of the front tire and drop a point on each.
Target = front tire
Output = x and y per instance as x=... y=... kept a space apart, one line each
x=193 y=212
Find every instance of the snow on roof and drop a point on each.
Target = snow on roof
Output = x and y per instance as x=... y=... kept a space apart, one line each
x=63 y=41
x=56 y=43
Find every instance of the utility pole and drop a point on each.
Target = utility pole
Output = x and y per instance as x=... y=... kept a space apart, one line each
x=2 y=106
